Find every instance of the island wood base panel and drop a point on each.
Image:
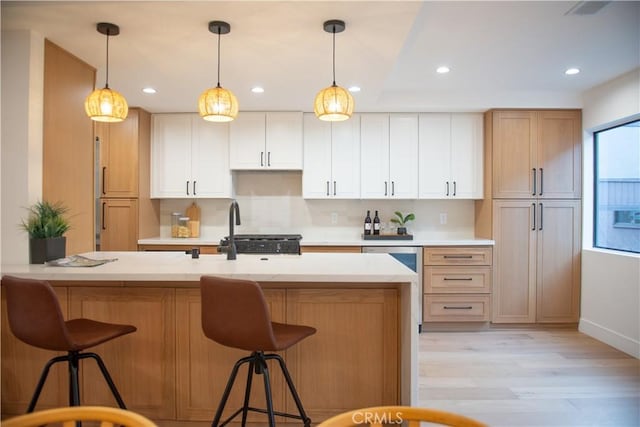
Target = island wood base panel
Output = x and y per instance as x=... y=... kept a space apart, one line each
x=169 y=371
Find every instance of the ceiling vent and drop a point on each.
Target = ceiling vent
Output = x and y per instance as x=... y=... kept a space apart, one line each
x=587 y=7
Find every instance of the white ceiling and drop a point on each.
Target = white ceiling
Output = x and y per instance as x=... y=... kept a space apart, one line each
x=501 y=54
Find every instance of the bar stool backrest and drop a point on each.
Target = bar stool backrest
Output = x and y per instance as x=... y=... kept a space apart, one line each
x=109 y=417
x=235 y=314
x=34 y=313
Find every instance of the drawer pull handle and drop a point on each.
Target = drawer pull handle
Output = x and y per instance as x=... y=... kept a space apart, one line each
x=458 y=256
x=466 y=307
x=459 y=278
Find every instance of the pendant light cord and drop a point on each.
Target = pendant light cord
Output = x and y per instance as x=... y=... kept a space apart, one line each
x=106 y=85
x=218 y=57
x=334 y=55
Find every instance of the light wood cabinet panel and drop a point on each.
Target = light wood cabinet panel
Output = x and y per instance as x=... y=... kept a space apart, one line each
x=457 y=308
x=203 y=366
x=537 y=268
x=443 y=279
x=324 y=390
x=119 y=225
x=458 y=255
x=22 y=365
x=142 y=364
x=68 y=153
x=119 y=156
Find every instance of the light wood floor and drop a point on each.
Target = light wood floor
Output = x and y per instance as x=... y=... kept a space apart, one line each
x=526 y=377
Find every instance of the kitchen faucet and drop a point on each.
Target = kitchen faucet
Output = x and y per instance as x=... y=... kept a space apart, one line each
x=231 y=249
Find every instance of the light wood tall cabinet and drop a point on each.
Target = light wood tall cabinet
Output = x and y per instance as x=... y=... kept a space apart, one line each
x=331 y=158
x=126 y=211
x=532 y=209
x=450 y=156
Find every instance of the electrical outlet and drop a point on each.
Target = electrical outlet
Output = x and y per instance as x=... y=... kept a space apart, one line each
x=334 y=218
x=443 y=218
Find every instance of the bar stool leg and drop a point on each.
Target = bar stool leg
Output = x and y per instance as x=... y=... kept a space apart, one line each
x=227 y=390
x=42 y=380
x=247 y=392
x=294 y=393
x=262 y=365
x=107 y=377
x=74 y=386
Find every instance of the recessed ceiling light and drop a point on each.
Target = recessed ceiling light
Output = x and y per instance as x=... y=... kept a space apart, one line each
x=149 y=90
x=257 y=89
x=572 y=71
x=442 y=70
x=354 y=89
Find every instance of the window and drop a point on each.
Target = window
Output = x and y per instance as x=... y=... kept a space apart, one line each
x=617 y=188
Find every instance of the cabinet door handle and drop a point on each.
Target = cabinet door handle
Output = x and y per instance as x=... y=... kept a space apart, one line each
x=194 y=188
x=458 y=256
x=447 y=188
x=385 y=188
x=533 y=228
x=187 y=188
x=261 y=158
x=455 y=188
x=104 y=177
x=466 y=279
x=393 y=188
x=327 y=188
x=104 y=226
x=466 y=307
x=541 y=216
x=269 y=158
x=534 y=181
x=541 y=181
x=334 y=188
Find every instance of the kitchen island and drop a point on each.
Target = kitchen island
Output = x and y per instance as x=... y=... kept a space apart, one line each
x=364 y=307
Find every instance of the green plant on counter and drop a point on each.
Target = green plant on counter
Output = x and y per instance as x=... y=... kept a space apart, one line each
x=402 y=220
x=46 y=220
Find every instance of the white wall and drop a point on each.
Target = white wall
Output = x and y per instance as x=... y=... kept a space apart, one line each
x=610 y=306
x=271 y=202
x=21 y=138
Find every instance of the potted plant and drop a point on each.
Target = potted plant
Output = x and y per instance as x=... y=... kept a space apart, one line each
x=402 y=220
x=46 y=225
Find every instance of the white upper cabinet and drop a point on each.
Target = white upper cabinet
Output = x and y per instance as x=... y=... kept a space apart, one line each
x=450 y=156
x=189 y=157
x=389 y=156
x=259 y=140
x=331 y=158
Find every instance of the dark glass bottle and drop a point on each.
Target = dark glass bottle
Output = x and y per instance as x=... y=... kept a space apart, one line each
x=367 y=223
x=376 y=224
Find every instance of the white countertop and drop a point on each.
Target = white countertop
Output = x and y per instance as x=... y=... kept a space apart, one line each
x=315 y=242
x=177 y=266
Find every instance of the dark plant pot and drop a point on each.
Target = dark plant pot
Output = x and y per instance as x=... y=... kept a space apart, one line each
x=42 y=250
x=402 y=230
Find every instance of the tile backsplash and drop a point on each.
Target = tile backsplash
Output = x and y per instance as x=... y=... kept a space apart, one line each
x=271 y=202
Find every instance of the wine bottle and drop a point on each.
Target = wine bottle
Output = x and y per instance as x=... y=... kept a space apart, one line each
x=376 y=224
x=367 y=223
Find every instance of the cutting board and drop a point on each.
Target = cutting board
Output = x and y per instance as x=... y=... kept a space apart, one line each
x=193 y=212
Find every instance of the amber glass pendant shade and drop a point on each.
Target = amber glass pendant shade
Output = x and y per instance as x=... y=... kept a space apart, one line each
x=218 y=104
x=106 y=105
x=333 y=104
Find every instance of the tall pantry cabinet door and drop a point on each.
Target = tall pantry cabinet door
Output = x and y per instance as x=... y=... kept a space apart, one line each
x=210 y=172
x=374 y=156
x=514 y=139
x=514 y=261
x=558 y=261
x=171 y=156
x=559 y=155
x=316 y=175
x=466 y=155
x=435 y=155
x=403 y=156
x=345 y=158
x=119 y=225
x=119 y=157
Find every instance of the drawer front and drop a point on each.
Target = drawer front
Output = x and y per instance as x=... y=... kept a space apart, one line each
x=465 y=280
x=467 y=255
x=456 y=308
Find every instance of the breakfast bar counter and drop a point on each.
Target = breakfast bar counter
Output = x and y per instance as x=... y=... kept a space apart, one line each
x=364 y=307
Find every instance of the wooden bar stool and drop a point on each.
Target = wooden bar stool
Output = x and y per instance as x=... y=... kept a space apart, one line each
x=36 y=319
x=235 y=314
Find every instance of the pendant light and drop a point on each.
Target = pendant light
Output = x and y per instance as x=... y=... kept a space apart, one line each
x=218 y=104
x=333 y=103
x=106 y=105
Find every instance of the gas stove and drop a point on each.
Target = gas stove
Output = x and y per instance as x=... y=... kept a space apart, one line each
x=265 y=243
